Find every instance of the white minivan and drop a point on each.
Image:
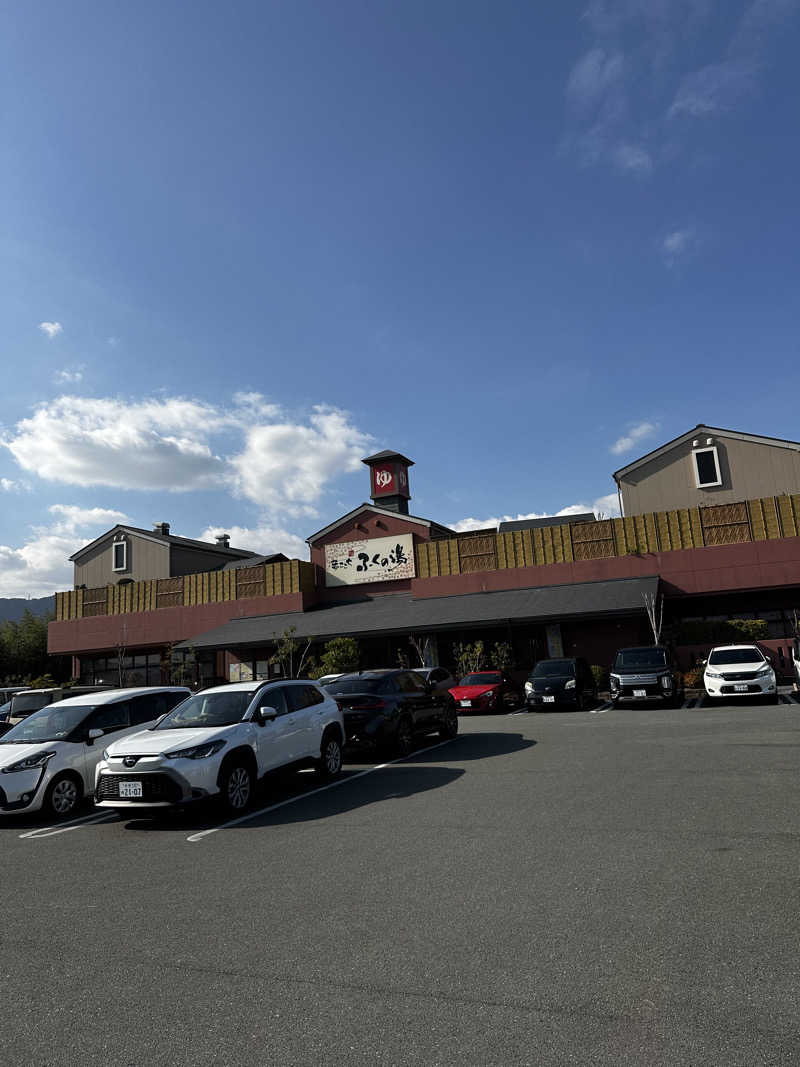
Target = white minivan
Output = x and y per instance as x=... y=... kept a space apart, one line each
x=220 y=742
x=48 y=760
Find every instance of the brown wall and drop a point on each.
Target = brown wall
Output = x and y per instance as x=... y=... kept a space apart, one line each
x=145 y=629
x=748 y=471
x=146 y=559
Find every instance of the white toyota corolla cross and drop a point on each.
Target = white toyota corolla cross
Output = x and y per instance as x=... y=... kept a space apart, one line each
x=48 y=760
x=220 y=742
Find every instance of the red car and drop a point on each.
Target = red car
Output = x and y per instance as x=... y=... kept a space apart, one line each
x=486 y=691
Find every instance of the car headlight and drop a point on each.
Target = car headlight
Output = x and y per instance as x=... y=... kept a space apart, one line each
x=105 y=754
x=30 y=763
x=197 y=751
x=614 y=681
x=712 y=674
x=529 y=687
x=765 y=670
x=570 y=684
x=666 y=681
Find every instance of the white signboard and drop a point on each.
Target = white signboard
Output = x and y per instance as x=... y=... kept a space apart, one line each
x=555 y=646
x=376 y=559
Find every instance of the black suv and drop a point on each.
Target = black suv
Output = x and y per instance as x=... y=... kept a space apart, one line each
x=386 y=708
x=646 y=675
x=560 y=683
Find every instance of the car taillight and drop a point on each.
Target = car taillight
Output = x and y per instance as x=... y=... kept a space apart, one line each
x=373 y=705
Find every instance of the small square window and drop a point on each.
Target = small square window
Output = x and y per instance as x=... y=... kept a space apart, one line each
x=120 y=556
x=706 y=467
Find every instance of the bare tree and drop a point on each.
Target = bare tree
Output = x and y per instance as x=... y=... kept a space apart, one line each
x=122 y=647
x=422 y=646
x=654 y=606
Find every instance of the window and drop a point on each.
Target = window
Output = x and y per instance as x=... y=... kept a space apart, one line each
x=148 y=708
x=303 y=696
x=411 y=683
x=120 y=551
x=274 y=697
x=706 y=467
x=111 y=717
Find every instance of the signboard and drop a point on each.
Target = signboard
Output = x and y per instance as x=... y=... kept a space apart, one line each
x=555 y=646
x=376 y=559
x=389 y=479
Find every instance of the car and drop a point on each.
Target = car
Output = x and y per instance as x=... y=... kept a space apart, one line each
x=326 y=679
x=48 y=760
x=8 y=691
x=560 y=683
x=440 y=679
x=27 y=701
x=384 y=709
x=485 y=691
x=645 y=675
x=733 y=671
x=219 y=742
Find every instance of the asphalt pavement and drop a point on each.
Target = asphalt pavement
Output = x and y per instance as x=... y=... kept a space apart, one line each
x=609 y=888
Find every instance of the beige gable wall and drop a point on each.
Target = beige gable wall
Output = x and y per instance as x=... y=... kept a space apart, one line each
x=748 y=471
x=146 y=559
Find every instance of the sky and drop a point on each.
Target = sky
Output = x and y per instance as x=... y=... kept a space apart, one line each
x=245 y=245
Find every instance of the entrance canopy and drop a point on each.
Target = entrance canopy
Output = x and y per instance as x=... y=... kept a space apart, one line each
x=402 y=613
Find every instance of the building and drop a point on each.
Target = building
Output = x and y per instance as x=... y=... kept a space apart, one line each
x=707 y=465
x=571 y=585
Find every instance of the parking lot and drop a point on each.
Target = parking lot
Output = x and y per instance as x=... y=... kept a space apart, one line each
x=607 y=888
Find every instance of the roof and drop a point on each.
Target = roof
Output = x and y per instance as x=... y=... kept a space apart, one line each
x=427 y=523
x=735 y=435
x=402 y=613
x=387 y=454
x=172 y=539
x=547 y=520
x=108 y=696
x=255 y=561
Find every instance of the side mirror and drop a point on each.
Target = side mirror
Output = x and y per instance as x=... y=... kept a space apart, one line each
x=93 y=735
x=265 y=715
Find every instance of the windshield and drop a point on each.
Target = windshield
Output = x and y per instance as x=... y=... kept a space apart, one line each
x=358 y=685
x=25 y=703
x=53 y=723
x=640 y=657
x=481 y=679
x=208 y=709
x=554 y=668
x=736 y=655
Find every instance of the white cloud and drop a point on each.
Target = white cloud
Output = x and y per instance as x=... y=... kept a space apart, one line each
x=678 y=244
x=633 y=159
x=52 y=329
x=286 y=466
x=67 y=376
x=263 y=538
x=592 y=76
x=604 y=505
x=633 y=436
x=176 y=444
x=41 y=566
x=9 y=486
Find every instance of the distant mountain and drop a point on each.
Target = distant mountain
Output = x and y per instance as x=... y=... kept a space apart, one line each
x=11 y=608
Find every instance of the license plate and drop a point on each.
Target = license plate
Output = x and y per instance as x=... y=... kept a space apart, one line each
x=640 y=692
x=130 y=789
x=549 y=700
x=740 y=688
x=466 y=703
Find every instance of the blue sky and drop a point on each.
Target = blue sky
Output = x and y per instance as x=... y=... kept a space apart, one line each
x=245 y=244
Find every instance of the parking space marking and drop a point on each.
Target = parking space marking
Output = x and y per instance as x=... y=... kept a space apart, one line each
x=312 y=792
x=64 y=828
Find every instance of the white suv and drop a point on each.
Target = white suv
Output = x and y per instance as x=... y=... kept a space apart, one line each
x=220 y=742
x=738 y=671
x=48 y=760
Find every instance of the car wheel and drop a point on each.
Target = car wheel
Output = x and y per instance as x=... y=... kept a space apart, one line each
x=329 y=765
x=404 y=737
x=63 y=796
x=236 y=786
x=449 y=728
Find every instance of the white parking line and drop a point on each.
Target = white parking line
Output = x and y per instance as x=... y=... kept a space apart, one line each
x=312 y=792
x=63 y=828
x=513 y=713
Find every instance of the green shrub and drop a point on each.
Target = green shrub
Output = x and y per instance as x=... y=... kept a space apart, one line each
x=600 y=676
x=722 y=631
x=340 y=656
x=693 y=678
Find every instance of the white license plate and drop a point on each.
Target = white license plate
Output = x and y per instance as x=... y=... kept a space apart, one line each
x=549 y=700
x=130 y=789
x=465 y=703
x=740 y=688
x=640 y=692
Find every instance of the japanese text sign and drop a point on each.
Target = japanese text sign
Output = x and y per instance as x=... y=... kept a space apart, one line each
x=376 y=559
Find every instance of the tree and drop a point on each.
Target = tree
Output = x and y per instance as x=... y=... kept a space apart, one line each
x=422 y=647
x=654 y=606
x=290 y=653
x=469 y=658
x=502 y=656
x=341 y=656
x=23 y=650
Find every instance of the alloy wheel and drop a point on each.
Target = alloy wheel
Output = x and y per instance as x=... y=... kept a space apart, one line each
x=64 y=796
x=333 y=758
x=238 y=788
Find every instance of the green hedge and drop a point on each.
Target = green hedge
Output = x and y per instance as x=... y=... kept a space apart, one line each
x=722 y=631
